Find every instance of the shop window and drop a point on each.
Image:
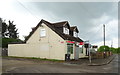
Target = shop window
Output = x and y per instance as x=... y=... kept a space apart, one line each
x=69 y=48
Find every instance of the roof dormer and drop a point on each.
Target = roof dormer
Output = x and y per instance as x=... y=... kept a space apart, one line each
x=74 y=31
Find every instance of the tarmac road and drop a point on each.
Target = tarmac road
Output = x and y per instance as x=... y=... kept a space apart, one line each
x=26 y=66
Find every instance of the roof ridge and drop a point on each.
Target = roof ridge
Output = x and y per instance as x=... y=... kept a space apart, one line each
x=73 y=26
x=60 y=22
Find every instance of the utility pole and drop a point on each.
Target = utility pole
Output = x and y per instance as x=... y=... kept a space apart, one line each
x=104 y=34
x=111 y=44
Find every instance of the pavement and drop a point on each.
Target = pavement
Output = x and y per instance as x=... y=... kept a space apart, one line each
x=94 y=62
x=100 y=62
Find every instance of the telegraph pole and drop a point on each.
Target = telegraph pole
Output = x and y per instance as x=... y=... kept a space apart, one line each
x=104 y=34
x=111 y=44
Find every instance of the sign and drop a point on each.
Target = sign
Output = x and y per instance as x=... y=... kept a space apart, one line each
x=86 y=45
x=62 y=41
x=70 y=42
x=94 y=46
x=81 y=43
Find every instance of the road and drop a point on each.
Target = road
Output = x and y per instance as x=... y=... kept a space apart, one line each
x=26 y=66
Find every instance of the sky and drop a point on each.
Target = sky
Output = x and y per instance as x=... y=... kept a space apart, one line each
x=88 y=16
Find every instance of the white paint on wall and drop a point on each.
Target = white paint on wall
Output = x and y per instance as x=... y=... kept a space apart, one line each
x=44 y=47
x=49 y=47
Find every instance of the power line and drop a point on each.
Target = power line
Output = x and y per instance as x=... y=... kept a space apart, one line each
x=27 y=9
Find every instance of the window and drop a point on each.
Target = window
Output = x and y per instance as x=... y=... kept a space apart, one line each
x=65 y=30
x=81 y=49
x=69 y=48
x=42 y=32
x=75 y=34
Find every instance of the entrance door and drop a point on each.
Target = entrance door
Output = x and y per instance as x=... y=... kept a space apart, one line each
x=69 y=48
x=69 y=51
x=77 y=53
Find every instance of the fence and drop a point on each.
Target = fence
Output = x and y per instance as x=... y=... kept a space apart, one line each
x=101 y=55
x=4 y=52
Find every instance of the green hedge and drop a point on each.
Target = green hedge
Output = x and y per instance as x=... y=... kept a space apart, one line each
x=115 y=50
x=6 y=41
x=103 y=48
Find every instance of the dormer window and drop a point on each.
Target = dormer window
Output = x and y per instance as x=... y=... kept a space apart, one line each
x=75 y=34
x=65 y=30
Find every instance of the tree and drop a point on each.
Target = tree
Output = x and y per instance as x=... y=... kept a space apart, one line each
x=118 y=50
x=12 y=31
x=9 y=34
x=0 y=27
x=4 y=28
x=103 y=48
x=9 y=30
x=113 y=49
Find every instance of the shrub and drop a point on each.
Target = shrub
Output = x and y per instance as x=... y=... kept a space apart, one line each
x=6 y=41
x=103 y=48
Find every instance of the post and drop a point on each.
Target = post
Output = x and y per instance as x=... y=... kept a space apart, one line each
x=89 y=52
x=111 y=44
x=104 y=34
x=104 y=39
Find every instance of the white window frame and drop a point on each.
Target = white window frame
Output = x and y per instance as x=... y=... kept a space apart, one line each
x=65 y=30
x=75 y=34
x=42 y=32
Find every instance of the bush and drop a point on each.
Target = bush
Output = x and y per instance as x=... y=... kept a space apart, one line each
x=103 y=48
x=115 y=50
x=6 y=41
x=118 y=50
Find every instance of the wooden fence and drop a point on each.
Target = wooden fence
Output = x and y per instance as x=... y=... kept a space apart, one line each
x=101 y=54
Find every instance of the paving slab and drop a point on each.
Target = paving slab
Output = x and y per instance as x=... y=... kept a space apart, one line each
x=94 y=62
x=100 y=62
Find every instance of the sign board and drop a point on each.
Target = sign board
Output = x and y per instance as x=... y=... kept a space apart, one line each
x=81 y=43
x=94 y=46
x=70 y=42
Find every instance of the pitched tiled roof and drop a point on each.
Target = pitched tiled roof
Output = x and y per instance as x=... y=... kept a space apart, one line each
x=59 y=24
x=74 y=27
x=55 y=29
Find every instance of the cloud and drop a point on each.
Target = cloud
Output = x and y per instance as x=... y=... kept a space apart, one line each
x=89 y=17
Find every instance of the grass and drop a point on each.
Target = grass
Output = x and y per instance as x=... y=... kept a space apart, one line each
x=37 y=58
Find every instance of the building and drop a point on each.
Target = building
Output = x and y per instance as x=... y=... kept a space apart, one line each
x=50 y=41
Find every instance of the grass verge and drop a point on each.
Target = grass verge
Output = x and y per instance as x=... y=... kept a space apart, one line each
x=36 y=58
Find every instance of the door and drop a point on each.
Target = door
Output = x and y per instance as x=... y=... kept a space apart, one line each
x=77 y=53
x=69 y=54
x=69 y=48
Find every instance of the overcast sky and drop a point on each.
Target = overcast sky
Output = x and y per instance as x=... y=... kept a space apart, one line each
x=89 y=17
